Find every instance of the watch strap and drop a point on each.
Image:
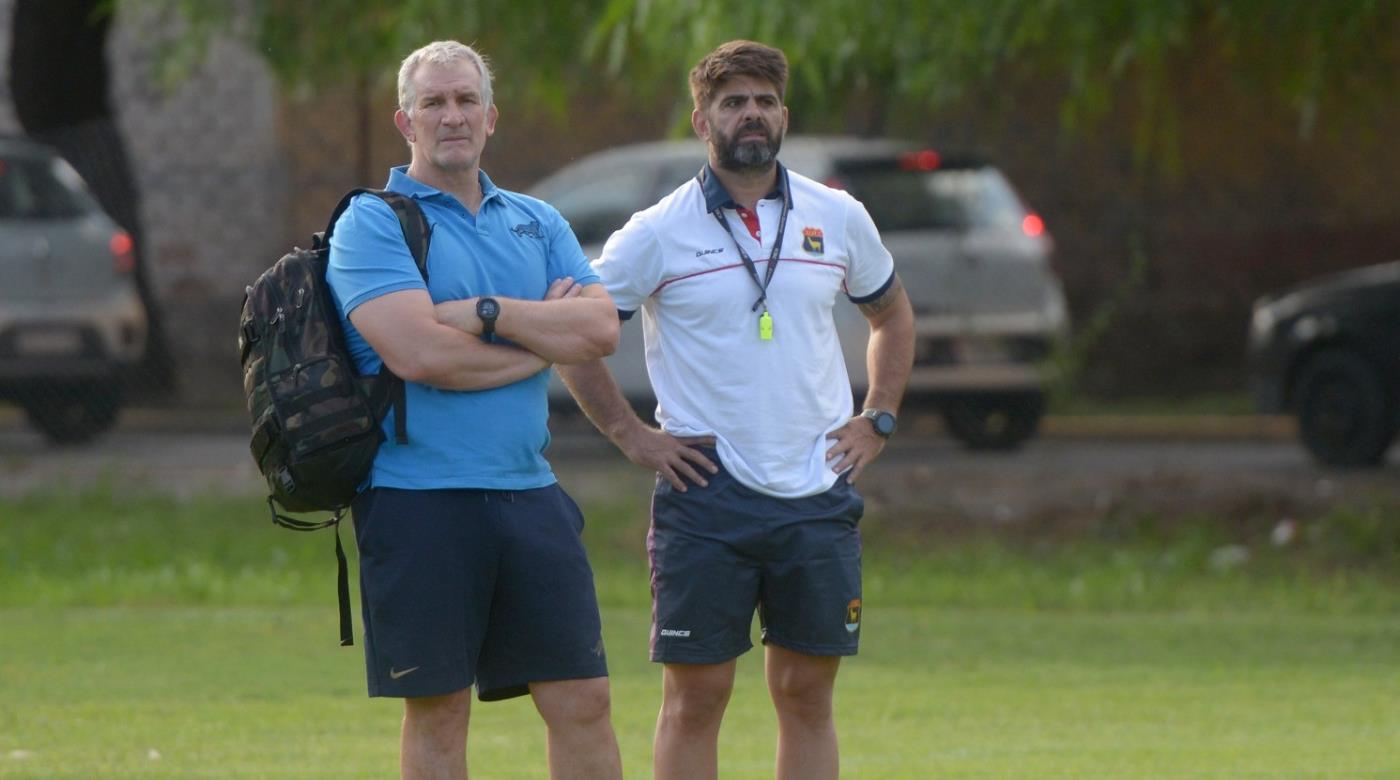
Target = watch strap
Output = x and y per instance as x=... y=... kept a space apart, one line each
x=488 y=323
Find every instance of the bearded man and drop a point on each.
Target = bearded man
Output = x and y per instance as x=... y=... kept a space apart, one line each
x=737 y=272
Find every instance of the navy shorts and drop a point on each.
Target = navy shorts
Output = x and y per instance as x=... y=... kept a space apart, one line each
x=720 y=552
x=484 y=587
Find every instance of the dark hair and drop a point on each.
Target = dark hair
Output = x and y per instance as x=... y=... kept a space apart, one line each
x=737 y=58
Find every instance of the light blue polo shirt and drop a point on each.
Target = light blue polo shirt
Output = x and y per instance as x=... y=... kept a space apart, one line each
x=513 y=247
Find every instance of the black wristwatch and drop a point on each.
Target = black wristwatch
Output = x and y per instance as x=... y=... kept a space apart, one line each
x=881 y=420
x=488 y=309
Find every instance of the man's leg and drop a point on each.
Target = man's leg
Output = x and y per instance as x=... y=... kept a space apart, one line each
x=802 y=688
x=693 y=699
x=578 y=717
x=434 y=743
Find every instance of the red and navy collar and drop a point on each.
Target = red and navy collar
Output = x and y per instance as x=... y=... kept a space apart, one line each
x=717 y=197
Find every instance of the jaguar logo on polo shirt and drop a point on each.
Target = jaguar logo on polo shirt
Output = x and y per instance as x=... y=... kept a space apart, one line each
x=812 y=240
x=530 y=229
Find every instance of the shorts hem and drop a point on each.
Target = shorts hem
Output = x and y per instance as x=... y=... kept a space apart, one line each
x=816 y=650
x=515 y=689
x=380 y=691
x=503 y=693
x=699 y=658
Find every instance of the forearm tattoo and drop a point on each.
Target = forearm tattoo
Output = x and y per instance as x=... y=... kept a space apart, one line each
x=871 y=308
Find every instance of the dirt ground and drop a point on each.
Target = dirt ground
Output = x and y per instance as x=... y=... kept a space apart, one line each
x=1069 y=478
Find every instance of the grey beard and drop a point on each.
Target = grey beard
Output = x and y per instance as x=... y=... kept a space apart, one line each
x=748 y=156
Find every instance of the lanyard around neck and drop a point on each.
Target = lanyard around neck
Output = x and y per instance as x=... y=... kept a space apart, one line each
x=772 y=256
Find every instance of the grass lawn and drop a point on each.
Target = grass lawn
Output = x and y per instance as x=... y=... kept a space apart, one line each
x=147 y=638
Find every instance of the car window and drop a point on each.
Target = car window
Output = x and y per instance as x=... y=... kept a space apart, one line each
x=674 y=174
x=942 y=199
x=602 y=202
x=40 y=188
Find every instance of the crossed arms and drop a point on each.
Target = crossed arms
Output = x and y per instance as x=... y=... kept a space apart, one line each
x=440 y=345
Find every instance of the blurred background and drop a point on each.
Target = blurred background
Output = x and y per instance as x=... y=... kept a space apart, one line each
x=1121 y=223
x=1186 y=156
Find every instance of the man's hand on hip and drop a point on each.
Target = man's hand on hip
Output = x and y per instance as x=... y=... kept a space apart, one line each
x=856 y=446
x=675 y=459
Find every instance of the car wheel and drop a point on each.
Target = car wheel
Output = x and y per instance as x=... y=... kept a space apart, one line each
x=994 y=422
x=1345 y=411
x=74 y=416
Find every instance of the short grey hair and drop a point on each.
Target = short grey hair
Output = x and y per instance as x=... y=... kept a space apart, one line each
x=441 y=53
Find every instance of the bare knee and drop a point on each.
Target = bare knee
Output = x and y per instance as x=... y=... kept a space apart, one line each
x=572 y=704
x=809 y=705
x=802 y=687
x=696 y=698
x=441 y=719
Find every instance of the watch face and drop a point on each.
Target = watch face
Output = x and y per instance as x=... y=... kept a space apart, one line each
x=487 y=308
x=882 y=421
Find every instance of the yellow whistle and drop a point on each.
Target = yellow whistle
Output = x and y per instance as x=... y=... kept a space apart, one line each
x=765 y=327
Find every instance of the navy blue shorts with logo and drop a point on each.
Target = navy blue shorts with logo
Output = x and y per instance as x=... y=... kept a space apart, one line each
x=474 y=586
x=720 y=552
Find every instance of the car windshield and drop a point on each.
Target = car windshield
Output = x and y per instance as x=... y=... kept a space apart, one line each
x=953 y=198
x=39 y=188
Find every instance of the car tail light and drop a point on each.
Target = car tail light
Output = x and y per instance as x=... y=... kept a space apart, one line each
x=123 y=252
x=835 y=183
x=1033 y=225
x=923 y=160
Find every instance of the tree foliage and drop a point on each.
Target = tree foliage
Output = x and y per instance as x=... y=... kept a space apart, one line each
x=1318 y=57
x=320 y=43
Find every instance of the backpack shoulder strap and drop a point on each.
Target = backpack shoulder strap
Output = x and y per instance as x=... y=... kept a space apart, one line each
x=418 y=235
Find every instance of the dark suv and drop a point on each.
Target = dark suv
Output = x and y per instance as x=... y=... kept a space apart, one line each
x=71 y=321
x=1328 y=351
x=976 y=262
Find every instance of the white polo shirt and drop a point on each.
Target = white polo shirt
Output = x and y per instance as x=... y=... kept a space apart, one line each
x=769 y=403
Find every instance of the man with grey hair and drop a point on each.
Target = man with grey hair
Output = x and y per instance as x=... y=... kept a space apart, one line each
x=440 y=53
x=472 y=571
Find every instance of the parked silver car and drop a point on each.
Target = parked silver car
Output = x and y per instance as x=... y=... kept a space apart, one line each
x=71 y=321
x=974 y=258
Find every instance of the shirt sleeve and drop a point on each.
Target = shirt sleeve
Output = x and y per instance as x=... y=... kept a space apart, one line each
x=869 y=266
x=631 y=265
x=566 y=257
x=369 y=256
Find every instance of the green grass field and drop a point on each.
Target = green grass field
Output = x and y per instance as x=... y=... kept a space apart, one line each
x=151 y=638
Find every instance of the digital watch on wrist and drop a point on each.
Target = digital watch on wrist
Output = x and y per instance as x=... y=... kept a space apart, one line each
x=881 y=420
x=487 y=310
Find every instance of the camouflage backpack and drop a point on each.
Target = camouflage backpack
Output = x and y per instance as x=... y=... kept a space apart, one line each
x=316 y=423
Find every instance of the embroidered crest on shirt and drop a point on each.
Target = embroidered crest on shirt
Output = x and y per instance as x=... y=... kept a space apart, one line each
x=812 y=240
x=530 y=229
